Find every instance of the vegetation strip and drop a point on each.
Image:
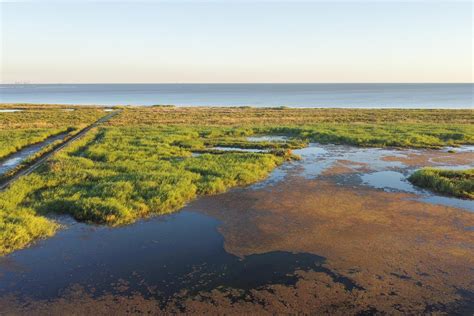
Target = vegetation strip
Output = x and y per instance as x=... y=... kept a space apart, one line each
x=34 y=124
x=459 y=183
x=30 y=153
x=33 y=163
x=359 y=127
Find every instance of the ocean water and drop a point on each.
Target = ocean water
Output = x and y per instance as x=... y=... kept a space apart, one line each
x=292 y=95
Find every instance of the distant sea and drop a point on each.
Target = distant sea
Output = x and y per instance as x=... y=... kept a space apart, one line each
x=385 y=95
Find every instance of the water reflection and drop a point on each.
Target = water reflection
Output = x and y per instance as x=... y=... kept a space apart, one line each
x=465 y=148
x=12 y=161
x=10 y=110
x=354 y=166
x=389 y=180
x=448 y=201
x=267 y=138
x=157 y=257
x=238 y=149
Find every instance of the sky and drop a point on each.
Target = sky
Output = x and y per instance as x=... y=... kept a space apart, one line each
x=236 y=41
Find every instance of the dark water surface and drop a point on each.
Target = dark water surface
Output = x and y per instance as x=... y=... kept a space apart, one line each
x=158 y=257
x=294 y=95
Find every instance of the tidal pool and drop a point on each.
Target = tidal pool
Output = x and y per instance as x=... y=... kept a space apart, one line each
x=267 y=138
x=244 y=150
x=466 y=148
x=10 y=110
x=340 y=231
x=157 y=258
x=389 y=180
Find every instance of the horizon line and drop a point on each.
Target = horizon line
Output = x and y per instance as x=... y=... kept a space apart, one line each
x=224 y=83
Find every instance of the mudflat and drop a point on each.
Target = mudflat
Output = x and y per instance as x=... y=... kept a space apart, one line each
x=340 y=231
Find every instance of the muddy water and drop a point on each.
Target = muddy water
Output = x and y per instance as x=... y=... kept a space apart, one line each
x=382 y=169
x=12 y=161
x=340 y=231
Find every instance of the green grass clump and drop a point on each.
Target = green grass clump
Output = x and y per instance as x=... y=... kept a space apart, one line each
x=20 y=225
x=382 y=135
x=34 y=124
x=13 y=140
x=458 y=183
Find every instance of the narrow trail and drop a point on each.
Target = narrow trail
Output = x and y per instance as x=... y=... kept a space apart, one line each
x=29 y=169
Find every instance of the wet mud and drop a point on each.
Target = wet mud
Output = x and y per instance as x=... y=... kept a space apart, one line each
x=339 y=232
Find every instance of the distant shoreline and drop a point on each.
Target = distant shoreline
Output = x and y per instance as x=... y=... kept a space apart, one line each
x=16 y=105
x=305 y=95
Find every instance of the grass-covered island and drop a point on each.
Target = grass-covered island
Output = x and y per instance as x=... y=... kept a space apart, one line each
x=152 y=160
x=458 y=183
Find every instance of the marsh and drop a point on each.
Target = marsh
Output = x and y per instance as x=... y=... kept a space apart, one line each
x=135 y=216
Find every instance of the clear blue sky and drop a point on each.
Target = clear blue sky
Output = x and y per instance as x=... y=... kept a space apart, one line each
x=238 y=41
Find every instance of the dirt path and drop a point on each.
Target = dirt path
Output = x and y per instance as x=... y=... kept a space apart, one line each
x=28 y=169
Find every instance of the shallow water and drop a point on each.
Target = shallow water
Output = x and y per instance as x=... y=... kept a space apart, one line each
x=157 y=257
x=10 y=110
x=390 y=180
x=318 y=158
x=244 y=150
x=466 y=148
x=267 y=138
x=12 y=161
x=193 y=251
x=464 y=204
x=370 y=169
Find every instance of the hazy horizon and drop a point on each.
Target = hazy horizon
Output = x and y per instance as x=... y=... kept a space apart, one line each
x=224 y=83
x=236 y=42
x=361 y=95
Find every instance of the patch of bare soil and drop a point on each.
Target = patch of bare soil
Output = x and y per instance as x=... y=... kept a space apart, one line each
x=408 y=256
